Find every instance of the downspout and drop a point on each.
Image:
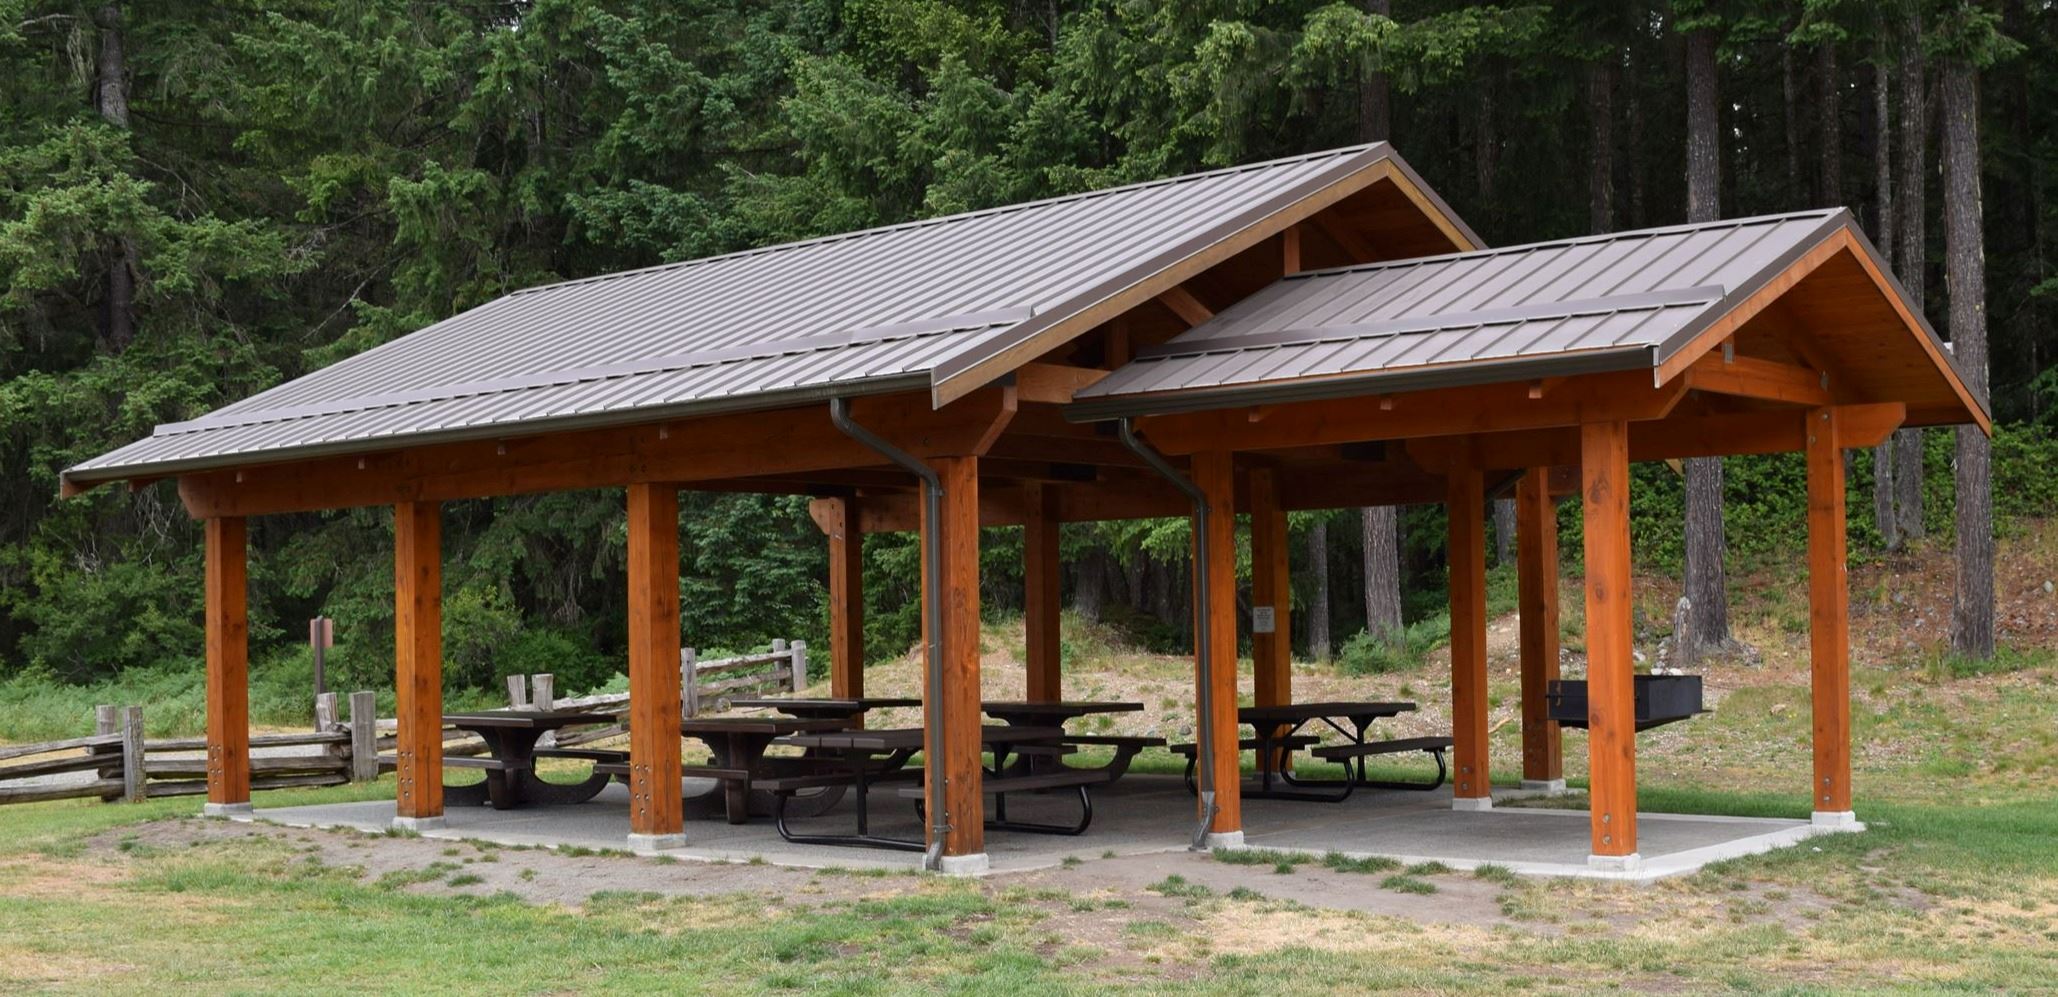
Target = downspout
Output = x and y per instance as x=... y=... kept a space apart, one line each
x=932 y=612
x=1203 y=728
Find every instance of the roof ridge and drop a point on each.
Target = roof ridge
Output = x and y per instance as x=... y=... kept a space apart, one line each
x=1527 y=247
x=961 y=216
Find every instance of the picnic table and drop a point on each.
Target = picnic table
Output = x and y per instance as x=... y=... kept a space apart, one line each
x=738 y=745
x=824 y=707
x=864 y=757
x=1279 y=731
x=1054 y=714
x=510 y=766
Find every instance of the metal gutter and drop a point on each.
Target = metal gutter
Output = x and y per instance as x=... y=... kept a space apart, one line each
x=1203 y=732
x=932 y=612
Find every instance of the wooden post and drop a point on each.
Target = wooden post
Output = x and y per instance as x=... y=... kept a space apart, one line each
x=1214 y=472
x=228 y=669
x=799 y=665
x=324 y=711
x=1271 y=601
x=364 y=737
x=846 y=597
x=106 y=720
x=1465 y=504
x=1040 y=576
x=517 y=692
x=1829 y=635
x=544 y=694
x=689 y=681
x=132 y=755
x=958 y=758
x=656 y=806
x=1536 y=569
x=418 y=663
x=1610 y=667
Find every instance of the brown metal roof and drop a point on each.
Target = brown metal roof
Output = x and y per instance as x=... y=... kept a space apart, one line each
x=887 y=309
x=1613 y=302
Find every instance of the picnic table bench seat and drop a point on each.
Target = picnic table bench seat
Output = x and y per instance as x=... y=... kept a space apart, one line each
x=1127 y=747
x=1294 y=743
x=999 y=786
x=488 y=763
x=589 y=754
x=1434 y=746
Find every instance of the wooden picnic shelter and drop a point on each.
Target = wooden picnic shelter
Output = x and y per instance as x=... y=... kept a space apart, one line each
x=1314 y=332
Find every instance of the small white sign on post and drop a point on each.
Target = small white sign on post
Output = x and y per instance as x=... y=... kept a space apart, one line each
x=1263 y=620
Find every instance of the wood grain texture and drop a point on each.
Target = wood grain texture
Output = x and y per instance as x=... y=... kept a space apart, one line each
x=1829 y=634
x=656 y=803
x=1214 y=472
x=1465 y=506
x=840 y=518
x=1536 y=570
x=1611 y=692
x=1271 y=586
x=958 y=698
x=1041 y=573
x=418 y=657
x=228 y=662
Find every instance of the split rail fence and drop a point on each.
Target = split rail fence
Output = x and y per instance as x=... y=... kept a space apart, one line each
x=118 y=762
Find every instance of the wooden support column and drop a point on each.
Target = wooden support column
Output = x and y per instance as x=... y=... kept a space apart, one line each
x=958 y=758
x=655 y=798
x=1465 y=505
x=1214 y=472
x=1829 y=636
x=1536 y=569
x=1610 y=667
x=1040 y=576
x=228 y=668
x=418 y=663
x=1271 y=600
x=846 y=596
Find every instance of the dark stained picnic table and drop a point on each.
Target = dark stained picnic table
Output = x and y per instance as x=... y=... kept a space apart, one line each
x=739 y=743
x=866 y=754
x=1027 y=714
x=824 y=707
x=1276 y=724
x=511 y=737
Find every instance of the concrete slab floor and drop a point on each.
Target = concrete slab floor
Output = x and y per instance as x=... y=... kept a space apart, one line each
x=1141 y=814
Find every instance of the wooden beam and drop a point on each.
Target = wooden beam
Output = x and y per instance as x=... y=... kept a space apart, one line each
x=772 y=444
x=228 y=664
x=1626 y=395
x=1214 y=472
x=1290 y=250
x=1041 y=574
x=1751 y=377
x=1465 y=504
x=1271 y=594
x=1610 y=669
x=1120 y=344
x=418 y=659
x=1829 y=636
x=1347 y=239
x=1677 y=436
x=957 y=760
x=1183 y=304
x=840 y=520
x=1054 y=384
x=1536 y=570
x=656 y=807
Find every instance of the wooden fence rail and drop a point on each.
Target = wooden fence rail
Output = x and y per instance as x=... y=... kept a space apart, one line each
x=124 y=765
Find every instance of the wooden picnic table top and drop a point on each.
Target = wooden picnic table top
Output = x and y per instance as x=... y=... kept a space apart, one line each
x=1023 y=711
x=768 y=726
x=526 y=719
x=824 y=706
x=910 y=738
x=1300 y=712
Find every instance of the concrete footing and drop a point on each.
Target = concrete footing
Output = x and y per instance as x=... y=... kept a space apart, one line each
x=1225 y=840
x=1631 y=862
x=963 y=865
x=1548 y=787
x=652 y=844
x=225 y=810
x=418 y=824
x=1472 y=803
x=1840 y=820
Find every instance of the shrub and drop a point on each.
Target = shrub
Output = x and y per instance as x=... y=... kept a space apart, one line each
x=1365 y=654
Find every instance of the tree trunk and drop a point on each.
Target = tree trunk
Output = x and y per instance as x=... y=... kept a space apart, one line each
x=1883 y=515
x=1600 y=111
x=1375 y=98
x=1790 y=101
x=1382 y=535
x=1829 y=125
x=1503 y=532
x=1318 y=602
x=1090 y=586
x=1911 y=261
x=1972 y=615
x=111 y=99
x=1705 y=542
x=1635 y=159
x=1486 y=147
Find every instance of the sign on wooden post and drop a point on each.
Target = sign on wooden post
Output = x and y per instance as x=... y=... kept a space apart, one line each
x=1264 y=619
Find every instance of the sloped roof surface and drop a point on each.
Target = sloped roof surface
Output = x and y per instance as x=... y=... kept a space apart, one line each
x=1605 y=302
x=868 y=311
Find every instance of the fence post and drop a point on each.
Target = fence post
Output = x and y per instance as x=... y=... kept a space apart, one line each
x=689 y=681
x=364 y=737
x=106 y=720
x=325 y=712
x=132 y=754
x=518 y=692
x=799 y=665
x=546 y=694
